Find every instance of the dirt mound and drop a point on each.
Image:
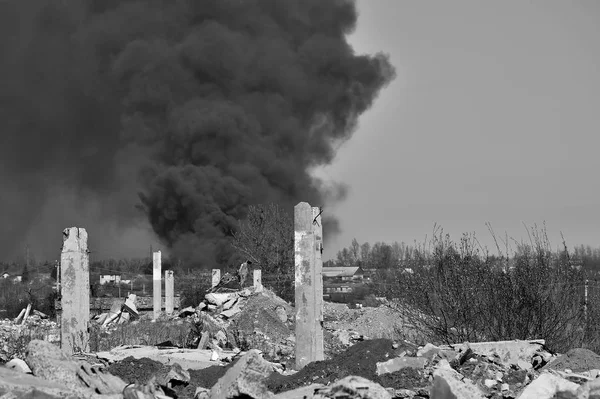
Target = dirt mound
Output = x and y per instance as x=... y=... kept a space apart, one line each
x=132 y=370
x=358 y=360
x=576 y=360
x=136 y=371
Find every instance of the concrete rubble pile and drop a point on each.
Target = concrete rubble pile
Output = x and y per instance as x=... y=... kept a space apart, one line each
x=119 y=313
x=250 y=318
x=28 y=324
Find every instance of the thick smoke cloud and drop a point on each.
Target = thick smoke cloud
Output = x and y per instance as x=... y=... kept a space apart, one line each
x=203 y=107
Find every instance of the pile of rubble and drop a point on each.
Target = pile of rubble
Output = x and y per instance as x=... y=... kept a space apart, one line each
x=30 y=323
x=251 y=318
x=377 y=369
x=119 y=313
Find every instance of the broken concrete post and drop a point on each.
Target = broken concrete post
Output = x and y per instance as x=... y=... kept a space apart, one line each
x=257 y=280
x=169 y=291
x=156 y=282
x=308 y=244
x=216 y=277
x=75 y=291
x=26 y=313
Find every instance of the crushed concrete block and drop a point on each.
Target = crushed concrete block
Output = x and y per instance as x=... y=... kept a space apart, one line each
x=354 y=387
x=447 y=384
x=15 y=384
x=176 y=374
x=300 y=393
x=51 y=363
x=281 y=314
x=221 y=338
x=246 y=378
x=546 y=386
x=202 y=393
x=400 y=363
x=200 y=306
x=229 y=303
x=185 y=312
x=203 y=340
x=428 y=351
x=18 y=365
x=590 y=389
x=490 y=383
x=229 y=313
x=219 y=298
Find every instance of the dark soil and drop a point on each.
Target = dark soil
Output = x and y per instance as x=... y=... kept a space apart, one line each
x=359 y=360
x=577 y=360
x=136 y=371
x=139 y=371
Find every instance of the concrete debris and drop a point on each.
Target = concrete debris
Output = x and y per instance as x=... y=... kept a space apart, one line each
x=119 y=313
x=448 y=384
x=399 y=363
x=245 y=379
x=546 y=386
x=354 y=387
x=35 y=326
x=18 y=365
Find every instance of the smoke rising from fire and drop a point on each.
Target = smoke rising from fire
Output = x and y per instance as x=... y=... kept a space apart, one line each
x=200 y=107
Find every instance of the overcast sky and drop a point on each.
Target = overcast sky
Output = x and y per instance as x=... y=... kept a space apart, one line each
x=494 y=117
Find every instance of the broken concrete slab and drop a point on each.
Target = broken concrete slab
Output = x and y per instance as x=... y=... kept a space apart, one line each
x=448 y=383
x=400 y=363
x=509 y=352
x=219 y=298
x=301 y=393
x=246 y=378
x=21 y=385
x=18 y=365
x=229 y=313
x=194 y=359
x=546 y=386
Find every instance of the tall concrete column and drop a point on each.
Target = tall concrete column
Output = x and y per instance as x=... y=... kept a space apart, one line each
x=169 y=291
x=75 y=291
x=156 y=283
x=308 y=244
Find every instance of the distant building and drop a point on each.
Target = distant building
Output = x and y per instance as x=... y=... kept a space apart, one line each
x=110 y=278
x=17 y=279
x=343 y=273
x=337 y=288
x=5 y=275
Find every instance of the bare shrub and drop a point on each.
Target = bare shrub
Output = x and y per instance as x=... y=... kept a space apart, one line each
x=456 y=292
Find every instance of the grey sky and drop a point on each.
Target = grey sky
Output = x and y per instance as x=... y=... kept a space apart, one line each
x=494 y=116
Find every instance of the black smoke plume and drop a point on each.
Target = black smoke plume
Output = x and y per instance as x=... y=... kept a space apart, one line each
x=200 y=107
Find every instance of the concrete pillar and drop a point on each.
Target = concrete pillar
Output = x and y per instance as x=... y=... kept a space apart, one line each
x=169 y=291
x=216 y=277
x=75 y=291
x=156 y=283
x=257 y=279
x=308 y=244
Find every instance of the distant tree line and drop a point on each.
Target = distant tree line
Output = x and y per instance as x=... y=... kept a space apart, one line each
x=390 y=256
